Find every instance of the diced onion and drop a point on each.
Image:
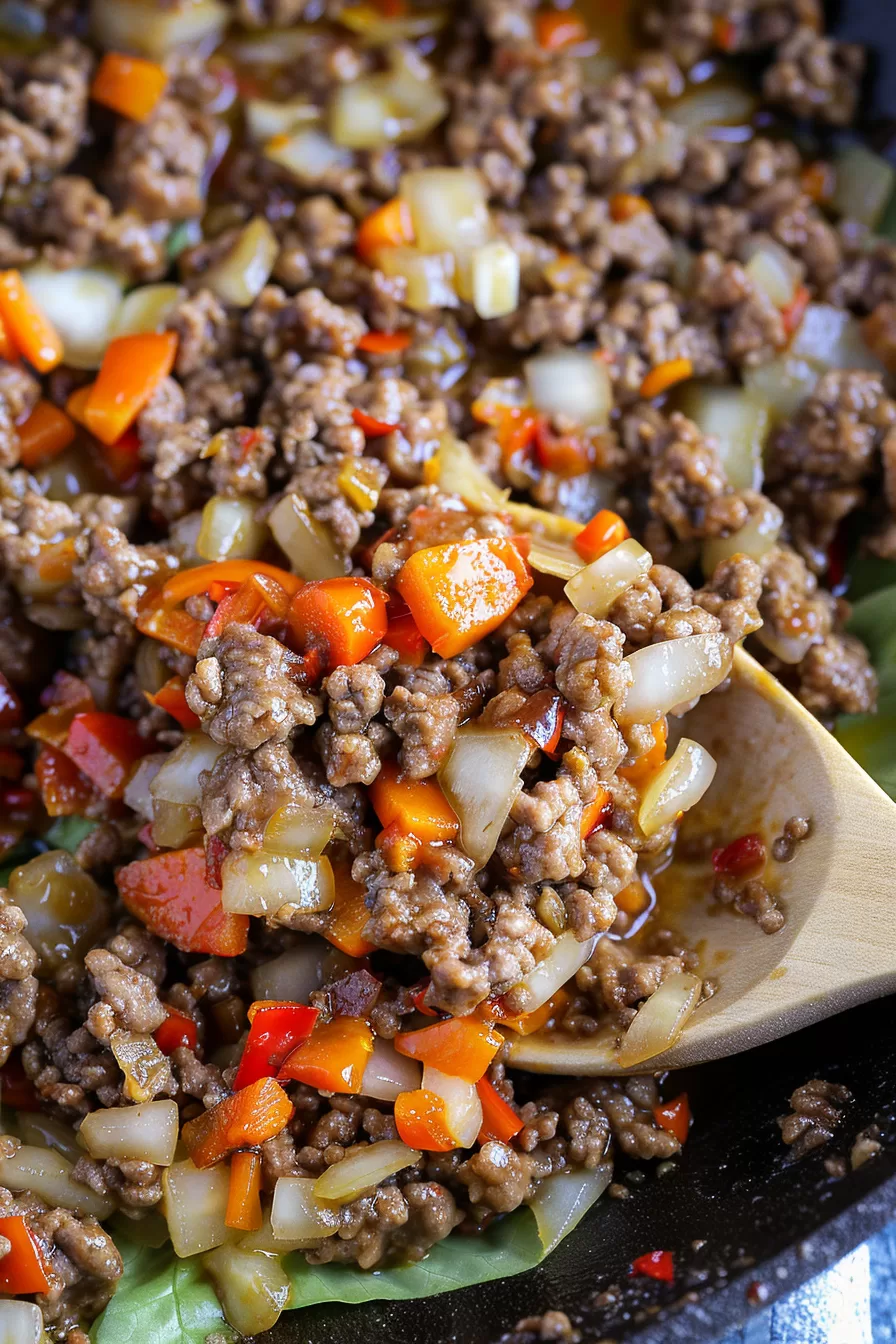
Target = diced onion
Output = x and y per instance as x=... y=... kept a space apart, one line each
x=790 y=649
x=307 y=543
x=562 y=1200
x=677 y=786
x=259 y=883
x=429 y=277
x=42 y=1131
x=240 y=276
x=153 y=31
x=570 y=383
x=81 y=305
x=864 y=184
x=782 y=384
x=460 y=474
x=263 y=1239
x=660 y=1020
x=308 y=153
x=463 y=1109
x=553 y=526
x=566 y=957
x=133 y=1133
x=496 y=279
x=174 y=825
x=147 y=308
x=755 y=539
x=402 y=103
x=48 y=1175
x=21 y=1322
x=739 y=424
x=294 y=975
x=194 y=1203
x=65 y=908
x=704 y=109
x=183 y=535
x=449 y=209
x=379 y=30
x=297 y=1214
x=387 y=1073
x=832 y=338
x=146 y=1070
x=275 y=46
x=178 y=779
x=266 y=118
x=671 y=673
x=229 y=530
x=554 y=557
x=363 y=1170
x=299 y=830
x=773 y=271
x=253 y=1288
x=595 y=588
x=481 y=780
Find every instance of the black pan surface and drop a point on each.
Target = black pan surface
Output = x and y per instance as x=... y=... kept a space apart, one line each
x=745 y=1224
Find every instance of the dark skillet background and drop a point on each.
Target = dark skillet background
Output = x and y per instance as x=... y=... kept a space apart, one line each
x=745 y=1225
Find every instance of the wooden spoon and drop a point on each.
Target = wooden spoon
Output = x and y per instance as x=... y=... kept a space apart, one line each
x=838 y=945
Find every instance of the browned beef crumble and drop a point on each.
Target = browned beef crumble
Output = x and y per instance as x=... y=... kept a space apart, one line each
x=817 y=1111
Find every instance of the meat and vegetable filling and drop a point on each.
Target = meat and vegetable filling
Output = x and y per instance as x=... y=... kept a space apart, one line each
x=405 y=410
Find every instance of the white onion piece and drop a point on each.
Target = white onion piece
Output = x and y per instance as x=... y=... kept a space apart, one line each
x=756 y=538
x=782 y=384
x=194 y=1203
x=677 y=786
x=402 y=103
x=263 y=1239
x=307 y=153
x=276 y=46
x=308 y=544
x=153 y=31
x=136 y=792
x=253 y=1288
x=704 y=109
x=48 y=1175
x=174 y=825
x=363 y=1170
x=553 y=526
x=463 y=1109
x=266 y=118
x=566 y=957
x=81 y=304
x=773 y=270
x=183 y=535
x=145 y=309
x=448 y=207
x=832 y=338
x=240 y=276
x=554 y=557
x=495 y=279
x=379 y=30
x=295 y=974
x=789 y=648
x=297 y=1214
x=595 y=588
x=42 y=1131
x=460 y=474
x=481 y=780
x=145 y=1133
x=428 y=276
x=230 y=531
x=571 y=383
x=562 y=1200
x=660 y=1020
x=146 y=1070
x=671 y=673
x=387 y=1073
x=178 y=779
x=259 y=883
x=299 y=830
x=864 y=184
x=21 y=1323
x=739 y=424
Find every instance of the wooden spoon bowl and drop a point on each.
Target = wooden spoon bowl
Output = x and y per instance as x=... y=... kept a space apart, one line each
x=838 y=945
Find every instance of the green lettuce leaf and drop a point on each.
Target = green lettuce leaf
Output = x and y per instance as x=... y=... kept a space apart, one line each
x=871 y=738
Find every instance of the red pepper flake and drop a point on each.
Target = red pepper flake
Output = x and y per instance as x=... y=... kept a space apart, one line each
x=215 y=853
x=674 y=1116
x=741 y=856
x=654 y=1265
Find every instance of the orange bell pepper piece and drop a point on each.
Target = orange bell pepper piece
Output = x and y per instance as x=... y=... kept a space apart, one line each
x=524 y=1024
x=245 y=1120
x=122 y=458
x=402 y=851
x=403 y=636
x=170 y=893
x=334 y=1057
x=384 y=342
x=596 y=813
x=76 y=406
x=664 y=376
x=460 y=592
x=105 y=747
x=170 y=626
x=673 y=1116
x=517 y=427
x=343 y=619
x=128 y=85
x=460 y=1046
x=8 y=350
x=422 y=1122
x=390 y=225
x=65 y=697
x=172 y=698
x=624 y=205
x=499 y=1120
x=132 y=368
x=418 y=806
x=564 y=454
x=795 y=311
x=44 y=435
x=64 y=790
x=244 y=1195
x=22 y=1270
x=349 y=915
x=193 y=582
x=36 y=339
x=646 y=766
x=604 y=531
x=557 y=29
x=258 y=599
x=373 y=429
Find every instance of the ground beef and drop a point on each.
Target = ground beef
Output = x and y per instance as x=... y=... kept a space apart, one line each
x=751 y=898
x=159 y=165
x=553 y=1325
x=816 y=1111
x=43 y=111
x=689 y=488
x=498 y=1178
x=128 y=999
x=796 y=829
x=814 y=76
x=18 y=986
x=425 y=724
x=348 y=746
x=19 y=392
x=732 y=596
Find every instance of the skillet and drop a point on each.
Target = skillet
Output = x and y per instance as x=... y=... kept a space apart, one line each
x=745 y=1223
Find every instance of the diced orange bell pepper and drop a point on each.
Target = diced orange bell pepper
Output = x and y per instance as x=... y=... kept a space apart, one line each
x=244 y=1195
x=460 y=1046
x=170 y=893
x=524 y=1024
x=349 y=914
x=172 y=698
x=44 y=435
x=122 y=458
x=169 y=625
x=390 y=225
x=128 y=85
x=245 y=1120
x=193 y=582
x=460 y=592
x=499 y=1120
x=795 y=311
x=36 y=339
x=8 y=350
x=343 y=619
x=673 y=1116
x=11 y=712
x=105 y=747
x=818 y=180
x=596 y=813
x=422 y=1121
x=517 y=427
x=403 y=636
x=76 y=406
x=64 y=790
x=335 y=1056
x=22 y=1270
x=556 y=29
x=625 y=205
x=402 y=851
x=604 y=531
x=664 y=376
x=257 y=600
x=56 y=561
x=646 y=766
x=132 y=368
x=384 y=342
x=725 y=33
x=418 y=806
x=564 y=454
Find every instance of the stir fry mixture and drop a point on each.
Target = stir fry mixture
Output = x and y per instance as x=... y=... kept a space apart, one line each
x=404 y=412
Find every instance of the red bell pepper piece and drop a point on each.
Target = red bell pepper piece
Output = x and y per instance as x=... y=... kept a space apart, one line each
x=105 y=747
x=65 y=791
x=172 y=698
x=674 y=1116
x=246 y=1120
x=499 y=1120
x=373 y=428
x=743 y=855
x=65 y=697
x=403 y=635
x=604 y=531
x=418 y=994
x=16 y=1088
x=275 y=1030
x=176 y=1031
x=655 y=1265
x=260 y=598
x=22 y=1270
x=170 y=893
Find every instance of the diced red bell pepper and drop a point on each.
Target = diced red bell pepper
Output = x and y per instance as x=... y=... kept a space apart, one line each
x=655 y=1265
x=11 y=712
x=176 y=1031
x=403 y=635
x=564 y=454
x=65 y=791
x=11 y=764
x=172 y=698
x=65 y=697
x=171 y=894
x=674 y=1116
x=604 y=531
x=418 y=994
x=274 y=1032
x=258 y=599
x=105 y=747
x=744 y=855
x=16 y=1088
x=460 y=1046
x=245 y=1120
x=499 y=1120
x=22 y=1270
x=122 y=458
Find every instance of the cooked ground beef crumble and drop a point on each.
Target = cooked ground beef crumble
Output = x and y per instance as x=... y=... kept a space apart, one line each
x=295 y=708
